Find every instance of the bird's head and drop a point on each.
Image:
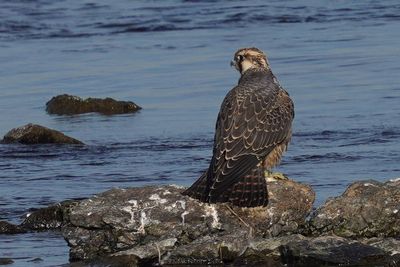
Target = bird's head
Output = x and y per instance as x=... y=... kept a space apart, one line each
x=247 y=58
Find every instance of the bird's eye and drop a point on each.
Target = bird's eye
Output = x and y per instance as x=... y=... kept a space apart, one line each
x=239 y=58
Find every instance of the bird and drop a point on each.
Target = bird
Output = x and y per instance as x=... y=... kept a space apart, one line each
x=253 y=130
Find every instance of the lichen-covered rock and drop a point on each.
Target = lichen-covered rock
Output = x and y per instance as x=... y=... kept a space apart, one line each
x=51 y=217
x=70 y=105
x=366 y=209
x=150 y=222
x=8 y=228
x=36 y=134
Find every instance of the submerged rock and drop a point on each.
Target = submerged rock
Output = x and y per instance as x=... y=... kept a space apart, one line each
x=365 y=209
x=36 y=134
x=152 y=223
x=8 y=228
x=69 y=105
x=6 y=261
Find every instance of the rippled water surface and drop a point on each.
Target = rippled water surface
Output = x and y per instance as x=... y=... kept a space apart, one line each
x=339 y=60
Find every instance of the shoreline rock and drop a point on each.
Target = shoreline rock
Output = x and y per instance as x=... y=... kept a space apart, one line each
x=51 y=217
x=366 y=209
x=134 y=218
x=10 y=229
x=30 y=134
x=72 y=105
x=151 y=225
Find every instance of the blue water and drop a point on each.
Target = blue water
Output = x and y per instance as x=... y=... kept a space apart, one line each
x=339 y=60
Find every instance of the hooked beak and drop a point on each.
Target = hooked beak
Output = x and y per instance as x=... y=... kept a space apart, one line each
x=233 y=63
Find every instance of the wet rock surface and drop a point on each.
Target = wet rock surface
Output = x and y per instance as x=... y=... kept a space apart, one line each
x=70 y=105
x=365 y=209
x=8 y=228
x=35 y=134
x=149 y=221
x=51 y=217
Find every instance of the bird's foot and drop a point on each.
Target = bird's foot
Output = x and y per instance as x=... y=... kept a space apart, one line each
x=275 y=176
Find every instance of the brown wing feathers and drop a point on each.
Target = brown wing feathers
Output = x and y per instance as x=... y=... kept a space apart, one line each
x=252 y=122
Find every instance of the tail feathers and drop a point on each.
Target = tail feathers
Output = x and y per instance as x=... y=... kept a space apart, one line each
x=199 y=189
x=249 y=191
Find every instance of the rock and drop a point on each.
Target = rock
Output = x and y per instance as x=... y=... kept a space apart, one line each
x=289 y=250
x=389 y=245
x=151 y=222
x=153 y=225
x=8 y=228
x=331 y=250
x=36 y=134
x=51 y=217
x=6 y=261
x=36 y=260
x=109 y=261
x=365 y=209
x=69 y=105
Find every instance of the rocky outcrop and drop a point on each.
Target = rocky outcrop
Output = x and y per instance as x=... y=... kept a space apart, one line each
x=70 y=105
x=365 y=209
x=153 y=222
x=36 y=134
x=156 y=225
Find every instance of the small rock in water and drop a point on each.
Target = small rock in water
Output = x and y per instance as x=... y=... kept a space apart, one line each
x=70 y=105
x=36 y=260
x=36 y=134
x=6 y=261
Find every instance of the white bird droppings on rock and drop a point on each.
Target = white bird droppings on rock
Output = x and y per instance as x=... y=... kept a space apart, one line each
x=166 y=192
x=134 y=202
x=157 y=199
x=182 y=202
x=183 y=216
x=143 y=221
x=211 y=211
x=131 y=212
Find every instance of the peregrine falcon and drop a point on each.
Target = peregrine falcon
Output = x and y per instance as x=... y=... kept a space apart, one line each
x=253 y=129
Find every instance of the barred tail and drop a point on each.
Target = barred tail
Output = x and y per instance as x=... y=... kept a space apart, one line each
x=199 y=189
x=249 y=191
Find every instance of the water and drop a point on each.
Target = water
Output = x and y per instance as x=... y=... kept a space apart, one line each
x=338 y=59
